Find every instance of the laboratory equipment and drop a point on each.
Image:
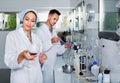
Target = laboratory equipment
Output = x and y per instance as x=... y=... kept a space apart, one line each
x=68 y=68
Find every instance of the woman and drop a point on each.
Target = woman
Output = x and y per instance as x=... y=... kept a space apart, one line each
x=25 y=68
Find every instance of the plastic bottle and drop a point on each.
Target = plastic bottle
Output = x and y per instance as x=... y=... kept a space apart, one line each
x=106 y=75
x=95 y=69
x=100 y=78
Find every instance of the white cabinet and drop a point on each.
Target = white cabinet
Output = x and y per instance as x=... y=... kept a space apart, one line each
x=110 y=56
x=60 y=76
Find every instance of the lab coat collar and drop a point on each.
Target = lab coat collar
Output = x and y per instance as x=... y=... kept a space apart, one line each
x=48 y=27
x=24 y=36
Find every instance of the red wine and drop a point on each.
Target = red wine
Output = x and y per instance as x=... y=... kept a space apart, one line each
x=33 y=53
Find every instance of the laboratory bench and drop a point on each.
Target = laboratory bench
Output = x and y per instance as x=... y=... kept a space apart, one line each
x=61 y=77
x=74 y=77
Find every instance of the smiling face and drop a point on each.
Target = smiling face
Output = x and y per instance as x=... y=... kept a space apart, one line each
x=29 y=21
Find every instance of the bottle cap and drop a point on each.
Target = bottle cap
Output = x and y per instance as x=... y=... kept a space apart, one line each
x=107 y=70
x=94 y=62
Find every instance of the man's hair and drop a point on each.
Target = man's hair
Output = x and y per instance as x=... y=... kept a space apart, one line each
x=53 y=11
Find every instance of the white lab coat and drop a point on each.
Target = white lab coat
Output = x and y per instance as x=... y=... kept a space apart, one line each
x=26 y=71
x=51 y=50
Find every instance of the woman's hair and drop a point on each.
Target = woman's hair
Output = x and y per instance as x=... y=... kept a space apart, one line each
x=33 y=13
x=23 y=13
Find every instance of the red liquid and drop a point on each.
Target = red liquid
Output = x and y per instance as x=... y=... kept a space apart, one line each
x=33 y=53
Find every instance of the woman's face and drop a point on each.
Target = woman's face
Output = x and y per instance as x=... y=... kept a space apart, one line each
x=29 y=21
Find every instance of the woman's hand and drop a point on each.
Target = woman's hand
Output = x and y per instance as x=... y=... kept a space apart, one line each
x=25 y=55
x=43 y=57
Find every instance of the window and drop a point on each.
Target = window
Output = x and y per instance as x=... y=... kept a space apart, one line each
x=8 y=20
x=109 y=19
x=1 y=21
x=108 y=15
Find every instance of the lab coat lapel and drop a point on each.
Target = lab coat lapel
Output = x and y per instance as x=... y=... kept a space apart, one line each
x=48 y=36
x=23 y=36
x=46 y=30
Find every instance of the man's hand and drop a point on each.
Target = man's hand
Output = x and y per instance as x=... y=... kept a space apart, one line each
x=67 y=45
x=43 y=57
x=55 y=39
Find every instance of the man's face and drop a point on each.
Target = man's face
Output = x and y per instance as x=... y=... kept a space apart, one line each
x=53 y=19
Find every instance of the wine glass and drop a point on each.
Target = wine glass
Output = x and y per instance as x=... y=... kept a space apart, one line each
x=33 y=49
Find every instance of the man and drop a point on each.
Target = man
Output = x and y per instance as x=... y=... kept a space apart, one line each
x=51 y=44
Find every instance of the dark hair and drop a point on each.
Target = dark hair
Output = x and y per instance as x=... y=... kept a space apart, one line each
x=54 y=11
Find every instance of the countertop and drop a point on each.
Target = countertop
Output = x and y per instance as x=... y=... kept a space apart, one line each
x=61 y=77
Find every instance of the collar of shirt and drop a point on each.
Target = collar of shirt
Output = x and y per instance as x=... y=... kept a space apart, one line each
x=48 y=28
